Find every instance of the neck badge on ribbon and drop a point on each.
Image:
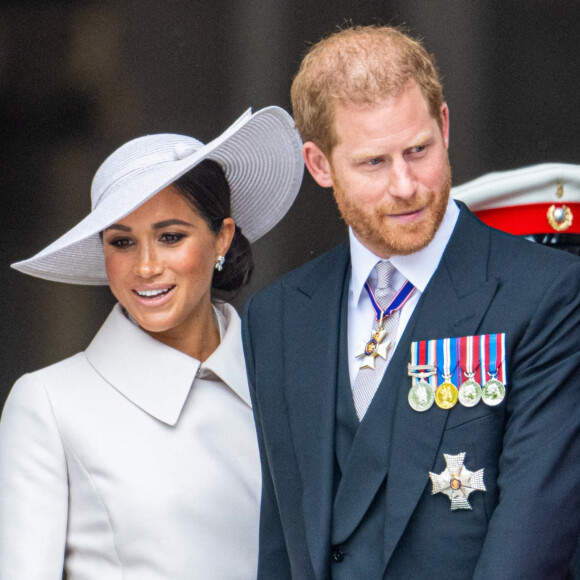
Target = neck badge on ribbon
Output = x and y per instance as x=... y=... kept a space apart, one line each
x=377 y=346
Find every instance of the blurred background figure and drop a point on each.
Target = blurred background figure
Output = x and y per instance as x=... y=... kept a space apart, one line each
x=541 y=203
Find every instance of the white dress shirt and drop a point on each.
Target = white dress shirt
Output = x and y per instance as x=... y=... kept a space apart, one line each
x=129 y=464
x=418 y=268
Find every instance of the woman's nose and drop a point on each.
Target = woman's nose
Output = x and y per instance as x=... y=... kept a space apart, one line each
x=147 y=262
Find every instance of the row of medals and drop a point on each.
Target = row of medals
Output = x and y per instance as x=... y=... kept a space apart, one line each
x=422 y=394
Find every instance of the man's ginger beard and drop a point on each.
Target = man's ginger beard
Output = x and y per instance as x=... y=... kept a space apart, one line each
x=391 y=239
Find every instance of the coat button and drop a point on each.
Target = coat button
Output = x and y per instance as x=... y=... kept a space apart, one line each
x=337 y=555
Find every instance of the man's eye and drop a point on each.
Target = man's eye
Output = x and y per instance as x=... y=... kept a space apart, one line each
x=374 y=161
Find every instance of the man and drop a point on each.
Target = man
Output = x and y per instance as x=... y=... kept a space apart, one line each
x=362 y=478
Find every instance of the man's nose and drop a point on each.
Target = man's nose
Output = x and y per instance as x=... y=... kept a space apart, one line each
x=401 y=180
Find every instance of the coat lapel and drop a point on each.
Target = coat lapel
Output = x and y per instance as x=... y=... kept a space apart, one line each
x=153 y=376
x=311 y=359
x=453 y=305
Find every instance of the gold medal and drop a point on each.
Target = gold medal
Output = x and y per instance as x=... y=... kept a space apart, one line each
x=446 y=395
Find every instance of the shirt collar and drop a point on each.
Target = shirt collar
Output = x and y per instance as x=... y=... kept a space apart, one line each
x=418 y=267
x=227 y=361
x=156 y=377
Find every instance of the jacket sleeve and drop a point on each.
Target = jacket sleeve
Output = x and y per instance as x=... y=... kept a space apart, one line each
x=33 y=486
x=534 y=529
x=273 y=560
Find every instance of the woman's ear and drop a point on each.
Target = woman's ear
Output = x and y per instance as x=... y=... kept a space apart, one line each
x=225 y=236
x=317 y=164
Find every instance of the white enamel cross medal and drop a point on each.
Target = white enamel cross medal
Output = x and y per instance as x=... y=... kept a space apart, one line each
x=457 y=482
x=373 y=348
x=377 y=346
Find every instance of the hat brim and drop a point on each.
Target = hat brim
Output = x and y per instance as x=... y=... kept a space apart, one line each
x=261 y=156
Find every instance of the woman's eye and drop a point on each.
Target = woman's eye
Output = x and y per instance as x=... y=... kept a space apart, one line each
x=120 y=243
x=168 y=238
x=374 y=161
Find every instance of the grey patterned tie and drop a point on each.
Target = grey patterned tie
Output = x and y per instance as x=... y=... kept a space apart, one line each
x=367 y=380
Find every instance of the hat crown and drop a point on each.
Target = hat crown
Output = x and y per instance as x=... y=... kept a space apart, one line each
x=136 y=159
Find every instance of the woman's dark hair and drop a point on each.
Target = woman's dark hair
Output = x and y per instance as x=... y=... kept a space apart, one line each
x=207 y=190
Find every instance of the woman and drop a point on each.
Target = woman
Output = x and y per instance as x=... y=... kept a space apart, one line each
x=137 y=458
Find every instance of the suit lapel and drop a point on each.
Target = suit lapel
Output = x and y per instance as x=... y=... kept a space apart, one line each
x=453 y=304
x=311 y=359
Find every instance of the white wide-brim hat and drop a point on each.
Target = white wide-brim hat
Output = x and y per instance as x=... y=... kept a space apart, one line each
x=260 y=155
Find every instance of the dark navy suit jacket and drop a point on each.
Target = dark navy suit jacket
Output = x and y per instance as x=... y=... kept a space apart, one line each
x=527 y=522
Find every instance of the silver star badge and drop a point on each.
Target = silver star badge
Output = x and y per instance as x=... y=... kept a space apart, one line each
x=457 y=482
x=373 y=348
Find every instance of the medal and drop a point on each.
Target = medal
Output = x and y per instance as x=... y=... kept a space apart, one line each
x=493 y=392
x=446 y=394
x=494 y=389
x=422 y=393
x=374 y=347
x=470 y=390
x=421 y=396
x=457 y=482
x=479 y=359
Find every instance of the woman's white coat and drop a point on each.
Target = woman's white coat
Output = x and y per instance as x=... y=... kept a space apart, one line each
x=136 y=460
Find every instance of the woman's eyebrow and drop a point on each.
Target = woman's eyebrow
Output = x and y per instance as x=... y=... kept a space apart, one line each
x=171 y=222
x=155 y=226
x=118 y=227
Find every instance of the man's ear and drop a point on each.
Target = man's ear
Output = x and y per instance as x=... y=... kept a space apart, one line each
x=445 y=123
x=317 y=164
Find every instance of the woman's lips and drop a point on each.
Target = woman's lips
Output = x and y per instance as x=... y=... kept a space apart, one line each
x=154 y=296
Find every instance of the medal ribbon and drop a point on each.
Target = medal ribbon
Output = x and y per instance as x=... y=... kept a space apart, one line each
x=447 y=358
x=502 y=370
x=492 y=353
x=432 y=360
x=492 y=365
x=423 y=352
x=397 y=302
x=482 y=359
x=473 y=354
x=468 y=354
